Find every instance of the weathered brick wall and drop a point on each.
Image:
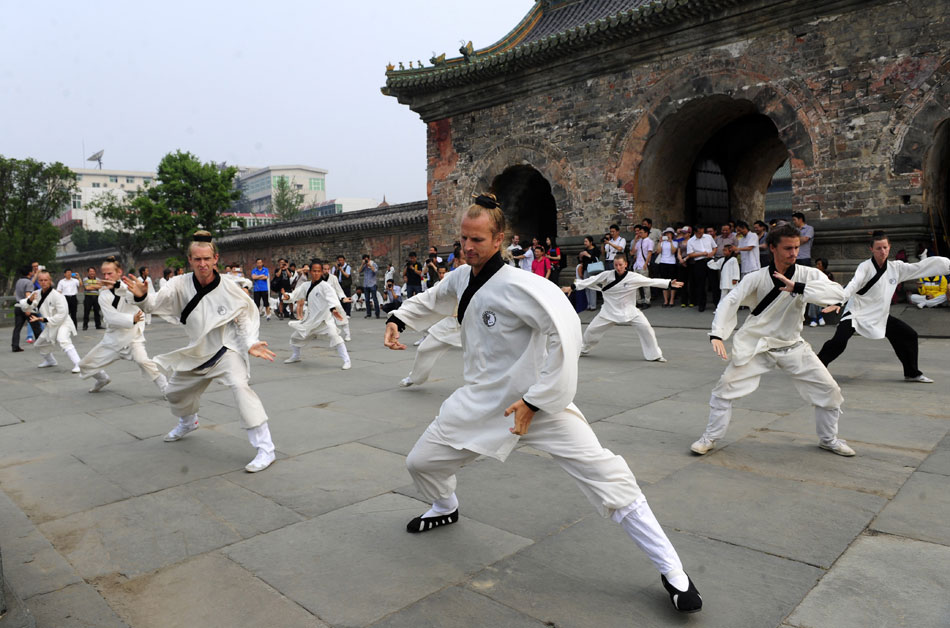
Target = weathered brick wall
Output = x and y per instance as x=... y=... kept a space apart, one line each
x=388 y=235
x=856 y=98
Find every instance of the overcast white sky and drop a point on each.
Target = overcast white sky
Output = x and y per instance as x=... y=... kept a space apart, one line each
x=250 y=83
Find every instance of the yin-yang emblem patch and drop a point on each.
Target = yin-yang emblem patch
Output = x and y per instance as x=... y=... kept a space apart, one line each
x=489 y=318
x=222 y=310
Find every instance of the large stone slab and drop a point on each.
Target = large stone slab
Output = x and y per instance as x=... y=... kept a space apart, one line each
x=399 y=441
x=527 y=495
x=863 y=425
x=886 y=399
x=308 y=429
x=151 y=531
x=651 y=454
x=365 y=547
x=689 y=419
x=881 y=581
x=56 y=487
x=159 y=465
x=29 y=561
x=939 y=460
x=210 y=591
x=877 y=470
x=805 y=522
x=457 y=607
x=325 y=480
x=57 y=403
x=279 y=396
x=592 y=574
x=921 y=510
x=75 y=606
x=399 y=408
x=36 y=440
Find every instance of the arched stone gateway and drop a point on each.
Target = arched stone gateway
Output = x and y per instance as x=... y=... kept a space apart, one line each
x=525 y=197
x=703 y=126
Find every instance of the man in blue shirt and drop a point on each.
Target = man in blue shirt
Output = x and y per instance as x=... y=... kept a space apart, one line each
x=261 y=277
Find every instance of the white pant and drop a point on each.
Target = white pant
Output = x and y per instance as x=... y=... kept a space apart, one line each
x=300 y=339
x=44 y=344
x=921 y=301
x=599 y=326
x=645 y=271
x=102 y=356
x=603 y=477
x=185 y=388
x=427 y=355
x=813 y=381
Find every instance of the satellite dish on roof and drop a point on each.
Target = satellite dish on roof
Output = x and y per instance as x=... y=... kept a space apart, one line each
x=97 y=157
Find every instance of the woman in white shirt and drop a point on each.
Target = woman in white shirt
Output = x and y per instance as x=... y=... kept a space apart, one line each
x=669 y=257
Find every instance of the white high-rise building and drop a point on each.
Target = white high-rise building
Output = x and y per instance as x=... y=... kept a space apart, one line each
x=258 y=186
x=92 y=183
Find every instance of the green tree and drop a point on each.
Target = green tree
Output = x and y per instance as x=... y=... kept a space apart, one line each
x=286 y=199
x=187 y=195
x=123 y=217
x=90 y=240
x=32 y=193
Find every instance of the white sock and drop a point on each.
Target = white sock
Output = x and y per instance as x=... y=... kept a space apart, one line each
x=294 y=351
x=639 y=522
x=260 y=438
x=191 y=419
x=444 y=506
x=73 y=355
x=161 y=381
x=101 y=376
x=341 y=351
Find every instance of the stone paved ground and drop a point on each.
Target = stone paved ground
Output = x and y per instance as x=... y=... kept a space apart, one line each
x=103 y=524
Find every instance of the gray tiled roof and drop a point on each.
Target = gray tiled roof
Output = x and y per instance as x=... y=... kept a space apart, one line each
x=561 y=16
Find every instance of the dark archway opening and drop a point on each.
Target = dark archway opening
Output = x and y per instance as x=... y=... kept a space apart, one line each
x=526 y=199
x=710 y=162
x=937 y=189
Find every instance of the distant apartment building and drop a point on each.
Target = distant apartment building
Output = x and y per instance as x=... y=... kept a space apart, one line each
x=90 y=184
x=258 y=185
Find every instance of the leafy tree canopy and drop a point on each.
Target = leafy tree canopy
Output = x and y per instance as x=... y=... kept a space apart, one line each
x=32 y=193
x=287 y=199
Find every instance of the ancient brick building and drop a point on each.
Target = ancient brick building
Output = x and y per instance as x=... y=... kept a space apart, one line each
x=597 y=111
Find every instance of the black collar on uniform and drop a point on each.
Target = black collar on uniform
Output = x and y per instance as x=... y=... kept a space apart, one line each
x=878 y=273
x=43 y=298
x=776 y=290
x=313 y=284
x=115 y=298
x=475 y=282
x=200 y=293
x=617 y=279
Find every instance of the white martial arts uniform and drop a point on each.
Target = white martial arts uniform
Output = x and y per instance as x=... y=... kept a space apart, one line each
x=224 y=323
x=441 y=337
x=344 y=325
x=868 y=312
x=520 y=340
x=728 y=268
x=59 y=326
x=620 y=308
x=124 y=339
x=318 y=320
x=772 y=338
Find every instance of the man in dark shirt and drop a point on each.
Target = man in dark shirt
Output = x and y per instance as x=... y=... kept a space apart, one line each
x=23 y=285
x=413 y=276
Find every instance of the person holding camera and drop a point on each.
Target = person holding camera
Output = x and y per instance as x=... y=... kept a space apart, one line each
x=432 y=267
x=369 y=269
x=412 y=275
x=613 y=243
x=344 y=274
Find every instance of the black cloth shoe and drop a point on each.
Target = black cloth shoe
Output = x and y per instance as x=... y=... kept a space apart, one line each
x=424 y=524
x=688 y=601
x=17 y=349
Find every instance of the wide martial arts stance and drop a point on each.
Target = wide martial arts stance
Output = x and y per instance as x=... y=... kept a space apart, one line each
x=441 y=337
x=49 y=306
x=868 y=307
x=520 y=341
x=620 y=295
x=222 y=324
x=323 y=306
x=771 y=337
x=125 y=333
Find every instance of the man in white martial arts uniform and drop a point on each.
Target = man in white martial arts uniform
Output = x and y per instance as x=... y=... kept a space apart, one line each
x=521 y=340
x=222 y=324
x=619 y=288
x=868 y=307
x=728 y=268
x=323 y=306
x=125 y=333
x=344 y=322
x=441 y=337
x=771 y=337
x=50 y=307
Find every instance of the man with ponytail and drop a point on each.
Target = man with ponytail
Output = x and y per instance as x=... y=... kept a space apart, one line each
x=521 y=341
x=222 y=324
